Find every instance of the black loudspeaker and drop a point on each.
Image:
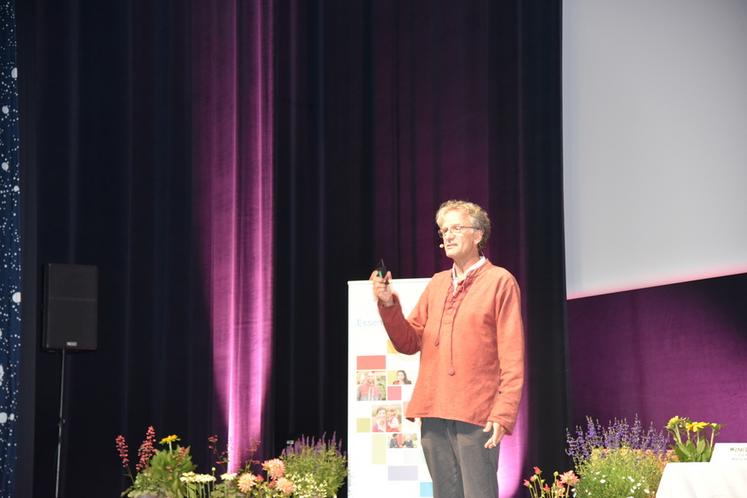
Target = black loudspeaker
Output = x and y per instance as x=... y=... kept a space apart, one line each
x=70 y=314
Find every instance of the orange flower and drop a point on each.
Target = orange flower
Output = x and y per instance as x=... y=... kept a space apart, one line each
x=275 y=468
x=246 y=482
x=285 y=486
x=569 y=478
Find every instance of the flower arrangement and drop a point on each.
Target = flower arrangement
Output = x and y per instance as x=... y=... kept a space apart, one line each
x=561 y=486
x=619 y=460
x=159 y=471
x=619 y=473
x=317 y=467
x=308 y=468
x=691 y=444
x=251 y=483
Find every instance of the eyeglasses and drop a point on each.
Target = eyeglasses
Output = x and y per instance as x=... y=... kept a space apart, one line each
x=455 y=229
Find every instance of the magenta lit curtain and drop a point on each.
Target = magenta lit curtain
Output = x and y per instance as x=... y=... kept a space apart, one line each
x=233 y=164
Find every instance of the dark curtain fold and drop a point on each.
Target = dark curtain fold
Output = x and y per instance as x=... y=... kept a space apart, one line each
x=105 y=106
x=544 y=257
x=324 y=221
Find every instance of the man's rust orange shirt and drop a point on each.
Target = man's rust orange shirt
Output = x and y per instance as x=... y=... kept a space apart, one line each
x=471 y=346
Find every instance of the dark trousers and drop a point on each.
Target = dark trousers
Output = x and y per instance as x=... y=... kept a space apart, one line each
x=460 y=465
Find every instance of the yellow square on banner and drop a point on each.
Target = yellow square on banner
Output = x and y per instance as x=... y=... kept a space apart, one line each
x=363 y=425
x=390 y=347
x=378 y=449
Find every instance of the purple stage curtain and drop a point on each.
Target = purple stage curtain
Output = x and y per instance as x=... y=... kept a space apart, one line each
x=233 y=175
x=663 y=351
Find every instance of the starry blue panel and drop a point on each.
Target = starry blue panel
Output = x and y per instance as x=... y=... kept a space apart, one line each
x=10 y=249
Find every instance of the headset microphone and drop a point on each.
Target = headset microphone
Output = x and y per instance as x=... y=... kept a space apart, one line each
x=441 y=246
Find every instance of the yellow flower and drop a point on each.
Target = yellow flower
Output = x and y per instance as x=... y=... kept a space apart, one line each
x=169 y=439
x=673 y=422
x=696 y=426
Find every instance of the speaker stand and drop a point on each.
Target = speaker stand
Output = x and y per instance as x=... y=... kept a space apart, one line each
x=60 y=426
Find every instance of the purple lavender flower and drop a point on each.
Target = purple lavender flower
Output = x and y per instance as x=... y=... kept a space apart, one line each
x=313 y=445
x=617 y=434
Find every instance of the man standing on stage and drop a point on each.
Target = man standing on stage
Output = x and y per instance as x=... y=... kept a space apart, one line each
x=467 y=327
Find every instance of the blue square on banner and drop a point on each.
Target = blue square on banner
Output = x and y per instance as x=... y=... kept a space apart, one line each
x=426 y=489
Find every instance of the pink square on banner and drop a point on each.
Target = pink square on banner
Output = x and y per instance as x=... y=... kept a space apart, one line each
x=377 y=362
x=394 y=393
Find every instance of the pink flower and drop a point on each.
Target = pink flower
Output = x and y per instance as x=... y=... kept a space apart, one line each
x=537 y=470
x=123 y=450
x=275 y=468
x=246 y=482
x=285 y=486
x=533 y=478
x=569 y=478
x=526 y=483
x=147 y=449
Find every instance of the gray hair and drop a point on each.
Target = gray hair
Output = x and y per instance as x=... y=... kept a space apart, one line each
x=480 y=219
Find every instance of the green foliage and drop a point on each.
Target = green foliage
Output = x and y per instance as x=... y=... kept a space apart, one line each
x=619 y=473
x=318 y=468
x=161 y=477
x=692 y=443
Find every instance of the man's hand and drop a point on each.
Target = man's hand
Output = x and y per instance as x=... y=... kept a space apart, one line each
x=498 y=432
x=382 y=288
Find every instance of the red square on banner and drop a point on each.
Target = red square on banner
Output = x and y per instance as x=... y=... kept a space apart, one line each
x=377 y=362
x=394 y=393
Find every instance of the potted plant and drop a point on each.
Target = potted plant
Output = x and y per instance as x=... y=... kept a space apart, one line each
x=692 y=443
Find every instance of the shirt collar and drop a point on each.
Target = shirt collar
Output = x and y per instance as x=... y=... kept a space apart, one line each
x=469 y=270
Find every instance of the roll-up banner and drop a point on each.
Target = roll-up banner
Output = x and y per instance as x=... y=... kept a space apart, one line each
x=384 y=453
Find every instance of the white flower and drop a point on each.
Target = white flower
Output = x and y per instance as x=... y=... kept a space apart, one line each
x=198 y=478
x=228 y=476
